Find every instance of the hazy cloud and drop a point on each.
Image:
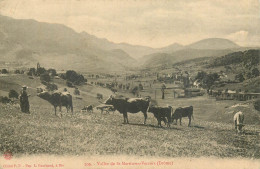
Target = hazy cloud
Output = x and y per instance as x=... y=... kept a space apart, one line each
x=153 y=23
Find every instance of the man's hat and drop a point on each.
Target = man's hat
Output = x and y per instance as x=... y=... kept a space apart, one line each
x=24 y=87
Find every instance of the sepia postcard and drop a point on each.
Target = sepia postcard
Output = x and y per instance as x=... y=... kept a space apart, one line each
x=111 y=84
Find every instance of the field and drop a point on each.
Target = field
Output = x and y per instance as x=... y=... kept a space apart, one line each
x=211 y=134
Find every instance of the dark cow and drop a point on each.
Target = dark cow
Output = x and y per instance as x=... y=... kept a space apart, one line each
x=88 y=108
x=239 y=120
x=132 y=105
x=58 y=99
x=183 y=112
x=161 y=113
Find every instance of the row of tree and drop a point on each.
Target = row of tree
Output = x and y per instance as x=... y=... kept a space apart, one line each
x=247 y=75
x=73 y=78
x=207 y=80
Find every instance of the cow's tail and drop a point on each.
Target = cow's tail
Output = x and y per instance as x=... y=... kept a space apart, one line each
x=192 y=114
x=171 y=120
x=71 y=105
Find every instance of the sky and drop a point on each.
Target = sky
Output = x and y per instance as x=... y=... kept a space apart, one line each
x=154 y=23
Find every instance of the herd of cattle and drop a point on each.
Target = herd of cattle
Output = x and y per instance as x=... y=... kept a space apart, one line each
x=132 y=105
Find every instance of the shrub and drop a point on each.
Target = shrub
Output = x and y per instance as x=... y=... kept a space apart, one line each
x=201 y=75
x=240 y=77
x=51 y=87
x=63 y=76
x=4 y=71
x=255 y=72
x=40 y=71
x=74 y=77
x=32 y=71
x=45 y=77
x=76 y=91
x=4 y=99
x=17 y=72
x=257 y=105
x=13 y=94
x=134 y=90
x=99 y=96
x=52 y=72
x=69 y=84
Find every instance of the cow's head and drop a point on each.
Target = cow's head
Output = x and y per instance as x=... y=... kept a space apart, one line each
x=151 y=109
x=109 y=100
x=44 y=95
x=240 y=126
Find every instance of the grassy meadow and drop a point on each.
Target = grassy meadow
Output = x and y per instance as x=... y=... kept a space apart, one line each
x=211 y=133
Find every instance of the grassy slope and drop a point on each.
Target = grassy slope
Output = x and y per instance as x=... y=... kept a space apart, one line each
x=85 y=134
x=41 y=132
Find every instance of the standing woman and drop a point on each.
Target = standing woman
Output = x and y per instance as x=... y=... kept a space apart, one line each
x=24 y=101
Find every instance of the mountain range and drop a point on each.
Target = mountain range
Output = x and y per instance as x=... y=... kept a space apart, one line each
x=58 y=46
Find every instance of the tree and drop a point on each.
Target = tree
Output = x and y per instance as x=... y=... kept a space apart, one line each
x=71 y=75
x=17 y=71
x=13 y=94
x=240 y=77
x=257 y=105
x=63 y=76
x=74 y=77
x=134 y=90
x=40 y=71
x=4 y=99
x=4 y=71
x=201 y=75
x=210 y=79
x=32 y=71
x=51 y=87
x=141 y=87
x=76 y=91
x=45 y=77
x=52 y=72
x=251 y=58
x=80 y=79
x=255 y=72
x=69 y=84
x=249 y=75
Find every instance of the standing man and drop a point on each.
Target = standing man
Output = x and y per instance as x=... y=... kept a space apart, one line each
x=162 y=89
x=24 y=101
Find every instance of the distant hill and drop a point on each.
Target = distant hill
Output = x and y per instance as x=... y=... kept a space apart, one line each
x=58 y=46
x=213 y=43
x=159 y=59
x=55 y=45
x=248 y=58
x=171 y=48
x=135 y=51
x=212 y=47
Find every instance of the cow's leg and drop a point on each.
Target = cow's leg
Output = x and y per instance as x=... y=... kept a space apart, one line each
x=240 y=128
x=169 y=122
x=180 y=120
x=126 y=118
x=124 y=115
x=145 y=117
x=55 y=110
x=60 y=112
x=235 y=124
x=189 y=120
x=164 y=120
x=159 y=122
